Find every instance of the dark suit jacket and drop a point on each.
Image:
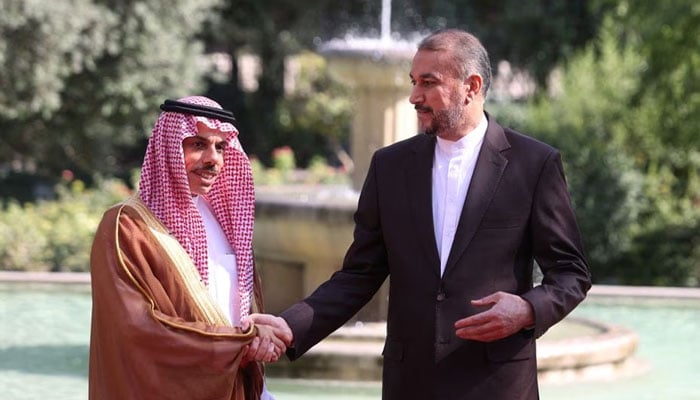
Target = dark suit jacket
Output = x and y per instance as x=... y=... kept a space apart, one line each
x=517 y=210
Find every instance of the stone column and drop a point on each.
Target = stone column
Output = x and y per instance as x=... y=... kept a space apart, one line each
x=382 y=114
x=301 y=236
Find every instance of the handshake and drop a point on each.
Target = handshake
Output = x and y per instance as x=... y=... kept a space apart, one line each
x=271 y=340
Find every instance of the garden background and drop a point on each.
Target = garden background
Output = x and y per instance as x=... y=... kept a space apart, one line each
x=612 y=83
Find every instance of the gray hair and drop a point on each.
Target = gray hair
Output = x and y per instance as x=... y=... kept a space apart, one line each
x=467 y=54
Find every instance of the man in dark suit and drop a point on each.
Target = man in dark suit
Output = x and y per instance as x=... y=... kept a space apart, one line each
x=456 y=216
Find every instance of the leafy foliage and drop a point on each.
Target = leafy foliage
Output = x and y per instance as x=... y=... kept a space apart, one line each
x=583 y=121
x=285 y=172
x=624 y=179
x=82 y=79
x=533 y=35
x=81 y=82
x=55 y=235
x=320 y=108
x=663 y=255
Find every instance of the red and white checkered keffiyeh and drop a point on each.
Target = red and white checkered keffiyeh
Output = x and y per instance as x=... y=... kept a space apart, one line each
x=164 y=188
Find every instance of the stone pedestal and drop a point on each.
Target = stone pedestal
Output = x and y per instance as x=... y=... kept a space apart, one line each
x=381 y=87
x=301 y=236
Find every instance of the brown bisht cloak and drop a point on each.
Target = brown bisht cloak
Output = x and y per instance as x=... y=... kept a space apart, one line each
x=156 y=333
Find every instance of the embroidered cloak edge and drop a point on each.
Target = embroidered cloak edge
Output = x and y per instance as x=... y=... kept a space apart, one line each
x=155 y=331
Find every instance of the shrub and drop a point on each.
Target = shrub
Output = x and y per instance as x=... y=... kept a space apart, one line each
x=56 y=235
x=635 y=197
x=284 y=170
x=22 y=241
x=667 y=255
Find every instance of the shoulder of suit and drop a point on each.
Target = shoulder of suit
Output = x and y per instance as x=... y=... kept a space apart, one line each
x=519 y=140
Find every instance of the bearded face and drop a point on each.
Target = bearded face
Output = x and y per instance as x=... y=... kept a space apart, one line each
x=439 y=96
x=445 y=120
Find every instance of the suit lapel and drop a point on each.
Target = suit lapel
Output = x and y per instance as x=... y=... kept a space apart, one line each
x=487 y=174
x=418 y=177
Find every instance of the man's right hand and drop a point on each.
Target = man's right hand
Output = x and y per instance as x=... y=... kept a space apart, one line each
x=271 y=340
x=279 y=326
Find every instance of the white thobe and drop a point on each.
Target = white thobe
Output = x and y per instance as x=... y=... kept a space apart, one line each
x=223 y=270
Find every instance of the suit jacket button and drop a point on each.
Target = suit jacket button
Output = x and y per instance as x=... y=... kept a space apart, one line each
x=441 y=296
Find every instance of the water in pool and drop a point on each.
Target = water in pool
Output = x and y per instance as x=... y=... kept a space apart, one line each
x=45 y=333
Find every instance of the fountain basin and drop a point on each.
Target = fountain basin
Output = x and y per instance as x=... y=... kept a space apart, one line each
x=573 y=350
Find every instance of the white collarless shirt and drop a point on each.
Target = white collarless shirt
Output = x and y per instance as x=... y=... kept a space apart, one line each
x=223 y=270
x=453 y=167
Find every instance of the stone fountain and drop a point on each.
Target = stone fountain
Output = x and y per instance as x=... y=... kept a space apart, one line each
x=302 y=232
x=377 y=71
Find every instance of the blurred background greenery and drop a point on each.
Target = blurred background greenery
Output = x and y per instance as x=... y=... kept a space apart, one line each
x=612 y=83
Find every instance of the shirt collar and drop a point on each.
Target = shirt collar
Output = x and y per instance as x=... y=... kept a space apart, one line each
x=468 y=141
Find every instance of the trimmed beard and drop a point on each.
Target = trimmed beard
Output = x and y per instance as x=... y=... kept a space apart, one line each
x=444 y=121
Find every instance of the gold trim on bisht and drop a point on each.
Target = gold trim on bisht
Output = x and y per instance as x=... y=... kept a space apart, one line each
x=183 y=265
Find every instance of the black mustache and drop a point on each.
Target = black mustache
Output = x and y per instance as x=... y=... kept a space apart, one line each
x=209 y=168
x=422 y=108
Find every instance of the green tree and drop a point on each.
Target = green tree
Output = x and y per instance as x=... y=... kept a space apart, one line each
x=320 y=108
x=535 y=34
x=635 y=192
x=82 y=80
x=669 y=36
x=584 y=119
x=664 y=138
x=273 y=30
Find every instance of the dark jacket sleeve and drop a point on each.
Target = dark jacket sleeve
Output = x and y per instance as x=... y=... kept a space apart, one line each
x=557 y=248
x=349 y=289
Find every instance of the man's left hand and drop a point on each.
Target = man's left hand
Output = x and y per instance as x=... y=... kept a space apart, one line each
x=508 y=314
